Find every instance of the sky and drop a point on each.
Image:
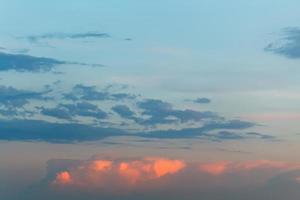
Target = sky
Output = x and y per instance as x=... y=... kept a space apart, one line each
x=133 y=99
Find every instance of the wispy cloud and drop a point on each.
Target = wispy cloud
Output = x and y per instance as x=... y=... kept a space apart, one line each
x=28 y=63
x=69 y=111
x=62 y=36
x=31 y=130
x=91 y=93
x=37 y=130
x=215 y=131
x=23 y=63
x=161 y=112
x=288 y=45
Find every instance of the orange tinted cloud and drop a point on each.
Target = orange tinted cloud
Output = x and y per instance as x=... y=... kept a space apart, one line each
x=131 y=171
x=265 y=164
x=215 y=168
x=149 y=168
x=124 y=174
x=163 y=167
x=101 y=165
x=219 y=168
x=63 y=178
x=98 y=172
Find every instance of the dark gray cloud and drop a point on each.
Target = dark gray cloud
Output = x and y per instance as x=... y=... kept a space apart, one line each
x=86 y=93
x=62 y=36
x=69 y=111
x=125 y=112
x=230 y=135
x=36 y=130
x=15 y=98
x=27 y=63
x=161 y=112
x=206 y=131
x=23 y=63
x=288 y=45
x=90 y=93
x=202 y=100
x=74 y=132
x=149 y=114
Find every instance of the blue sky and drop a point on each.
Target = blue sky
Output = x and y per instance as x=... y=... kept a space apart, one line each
x=220 y=77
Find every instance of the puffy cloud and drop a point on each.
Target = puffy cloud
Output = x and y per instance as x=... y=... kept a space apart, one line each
x=12 y=97
x=161 y=112
x=69 y=111
x=165 y=178
x=147 y=115
x=125 y=112
x=94 y=173
x=101 y=165
x=90 y=93
x=63 y=178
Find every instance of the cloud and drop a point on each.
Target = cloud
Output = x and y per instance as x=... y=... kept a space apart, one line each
x=288 y=45
x=161 y=112
x=202 y=100
x=167 y=178
x=31 y=130
x=122 y=173
x=27 y=63
x=78 y=109
x=130 y=172
x=13 y=101
x=23 y=63
x=62 y=36
x=222 y=167
x=69 y=111
x=263 y=136
x=37 y=130
x=15 y=98
x=215 y=131
x=63 y=178
x=90 y=93
x=216 y=168
x=125 y=112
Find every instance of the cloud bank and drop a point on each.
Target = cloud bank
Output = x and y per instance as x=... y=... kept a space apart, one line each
x=166 y=178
